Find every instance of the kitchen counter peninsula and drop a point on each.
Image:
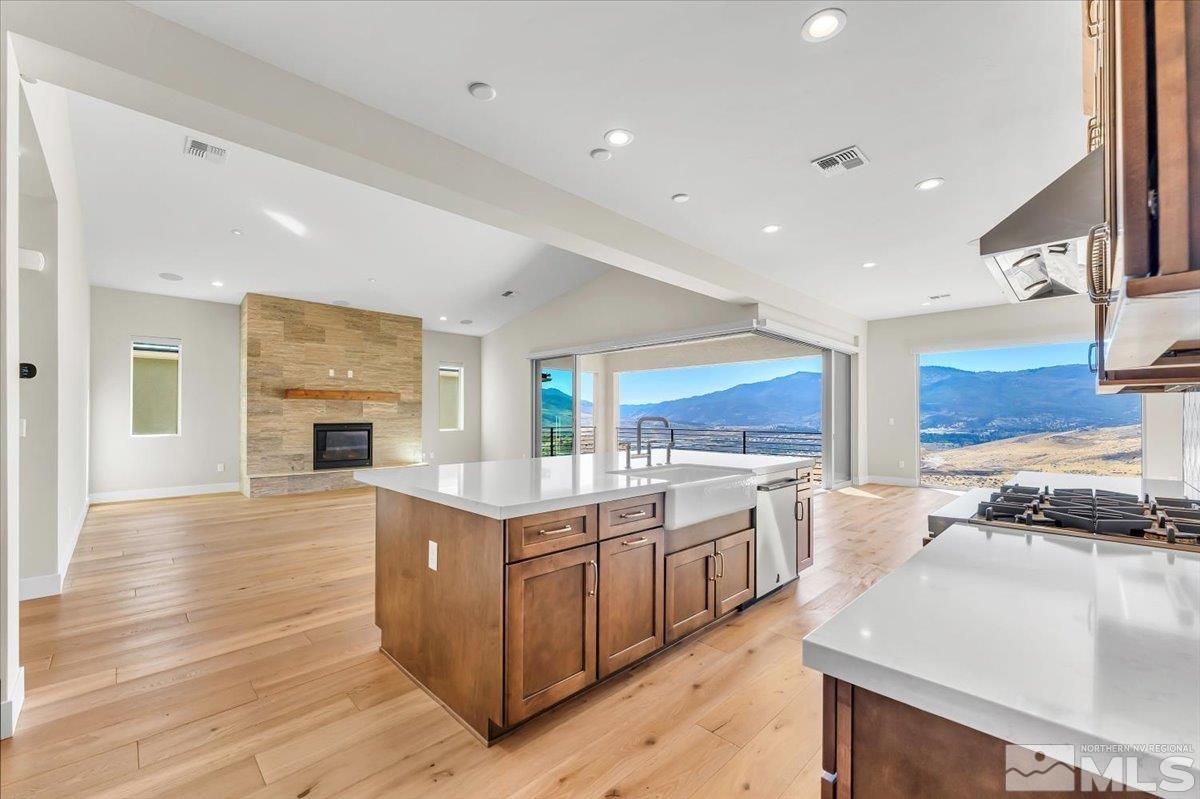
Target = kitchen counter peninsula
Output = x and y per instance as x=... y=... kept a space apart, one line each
x=505 y=587
x=1083 y=650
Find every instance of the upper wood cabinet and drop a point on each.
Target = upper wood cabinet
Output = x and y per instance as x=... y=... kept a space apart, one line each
x=550 y=630
x=1153 y=132
x=631 y=598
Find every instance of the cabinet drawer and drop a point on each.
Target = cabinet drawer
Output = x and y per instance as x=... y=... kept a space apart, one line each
x=553 y=531
x=631 y=515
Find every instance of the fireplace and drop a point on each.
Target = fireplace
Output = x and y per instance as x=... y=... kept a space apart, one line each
x=339 y=446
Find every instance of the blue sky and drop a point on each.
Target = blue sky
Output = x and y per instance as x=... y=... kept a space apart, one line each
x=1010 y=359
x=665 y=384
x=641 y=387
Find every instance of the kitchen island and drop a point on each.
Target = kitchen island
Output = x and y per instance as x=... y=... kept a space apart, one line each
x=505 y=587
x=1084 y=651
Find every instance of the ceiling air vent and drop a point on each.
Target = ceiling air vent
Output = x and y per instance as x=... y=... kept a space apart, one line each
x=843 y=160
x=203 y=150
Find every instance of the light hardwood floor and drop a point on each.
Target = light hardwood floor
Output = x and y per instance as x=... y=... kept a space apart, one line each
x=224 y=647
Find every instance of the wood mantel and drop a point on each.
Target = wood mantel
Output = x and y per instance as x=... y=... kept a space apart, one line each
x=342 y=394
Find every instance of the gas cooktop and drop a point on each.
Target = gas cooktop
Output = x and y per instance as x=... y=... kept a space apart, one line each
x=1173 y=520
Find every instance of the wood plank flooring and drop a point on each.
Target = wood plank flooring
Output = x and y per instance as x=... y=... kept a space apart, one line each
x=220 y=646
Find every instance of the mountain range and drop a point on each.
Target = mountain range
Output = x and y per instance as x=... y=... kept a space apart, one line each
x=958 y=407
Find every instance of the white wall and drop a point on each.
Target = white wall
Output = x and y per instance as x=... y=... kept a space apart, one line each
x=1162 y=436
x=39 y=400
x=450 y=349
x=616 y=305
x=51 y=117
x=129 y=467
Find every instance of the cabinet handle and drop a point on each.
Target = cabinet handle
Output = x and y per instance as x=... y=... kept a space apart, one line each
x=595 y=578
x=566 y=528
x=713 y=570
x=637 y=514
x=634 y=541
x=799 y=510
x=720 y=561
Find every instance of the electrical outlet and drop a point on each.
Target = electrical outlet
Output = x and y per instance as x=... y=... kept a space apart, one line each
x=220 y=467
x=332 y=373
x=892 y=421
x=433 y=555
x=349 y=373
x=901 y=464
x=24 y=427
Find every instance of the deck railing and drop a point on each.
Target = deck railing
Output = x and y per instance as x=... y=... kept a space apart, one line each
x=561 y=441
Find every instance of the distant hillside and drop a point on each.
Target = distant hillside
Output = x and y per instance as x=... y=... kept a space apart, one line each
x=960 y=407
x=556 y=409
x=791 y=402
x=1107 y=450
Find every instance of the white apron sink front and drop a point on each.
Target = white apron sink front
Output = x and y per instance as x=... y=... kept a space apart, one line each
x=697 y=493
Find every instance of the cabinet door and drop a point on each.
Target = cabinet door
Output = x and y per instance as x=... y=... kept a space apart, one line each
x=551 y=629
x=735 y=570
x=804 y=541
x=691 y=592
x=631 y=598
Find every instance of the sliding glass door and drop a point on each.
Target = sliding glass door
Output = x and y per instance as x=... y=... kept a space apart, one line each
x=556 y=406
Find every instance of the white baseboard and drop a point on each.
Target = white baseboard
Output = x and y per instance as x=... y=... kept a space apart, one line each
x=163 y=493
x=41 y=585
x=64 y=556
x=893 y=481
x=10 y=709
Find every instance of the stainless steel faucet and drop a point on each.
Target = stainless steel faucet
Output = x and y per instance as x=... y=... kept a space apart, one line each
x=629 y=456
x=665 y=422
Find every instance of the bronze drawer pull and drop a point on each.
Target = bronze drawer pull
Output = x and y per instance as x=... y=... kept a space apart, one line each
x=637 y=514
x=566 y=528
x=720 y=561
x=595 y=578
x=634 y=541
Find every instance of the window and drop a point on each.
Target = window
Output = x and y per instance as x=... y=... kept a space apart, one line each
x=450 y=398
x=987 y=414
x=154 y=388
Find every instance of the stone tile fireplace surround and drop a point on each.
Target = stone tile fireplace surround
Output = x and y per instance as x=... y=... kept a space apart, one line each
x=291 y=344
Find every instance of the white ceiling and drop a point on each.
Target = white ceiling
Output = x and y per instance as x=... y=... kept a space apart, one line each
x=729 y=105
x=149 y=208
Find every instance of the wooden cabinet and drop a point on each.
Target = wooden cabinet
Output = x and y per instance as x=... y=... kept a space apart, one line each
x=734 y=583
x=804 y=540
x=632 y=515
x=691 y=597
x=554 y=531
x=551 y=629
x=707 y=581
x=631 y=598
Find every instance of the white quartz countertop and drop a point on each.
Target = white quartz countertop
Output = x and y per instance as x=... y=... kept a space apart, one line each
x=1035 y=639
x=509 y=488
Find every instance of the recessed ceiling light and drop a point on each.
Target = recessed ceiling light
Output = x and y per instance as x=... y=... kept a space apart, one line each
x=218 y=283
x=174 y=278
x=618 y=137
x=442 y=318
x=680 y=198
x=370 y=280
x=928 y=184
x=869 y=265
x=288 y=223
x=236 y=232
x=772 y=228
x=482 y=91
x=600 y=154
x=467 y=322
x=823 y=25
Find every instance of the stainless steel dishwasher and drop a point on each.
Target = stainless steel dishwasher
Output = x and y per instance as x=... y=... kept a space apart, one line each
x=775 y=531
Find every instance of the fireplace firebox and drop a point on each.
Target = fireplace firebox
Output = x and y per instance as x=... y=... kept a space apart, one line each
x=341 y=446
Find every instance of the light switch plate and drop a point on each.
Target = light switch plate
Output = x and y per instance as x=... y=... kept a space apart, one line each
x=433 y=555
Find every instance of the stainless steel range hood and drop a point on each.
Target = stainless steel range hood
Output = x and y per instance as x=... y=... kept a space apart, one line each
x=1039 y=250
